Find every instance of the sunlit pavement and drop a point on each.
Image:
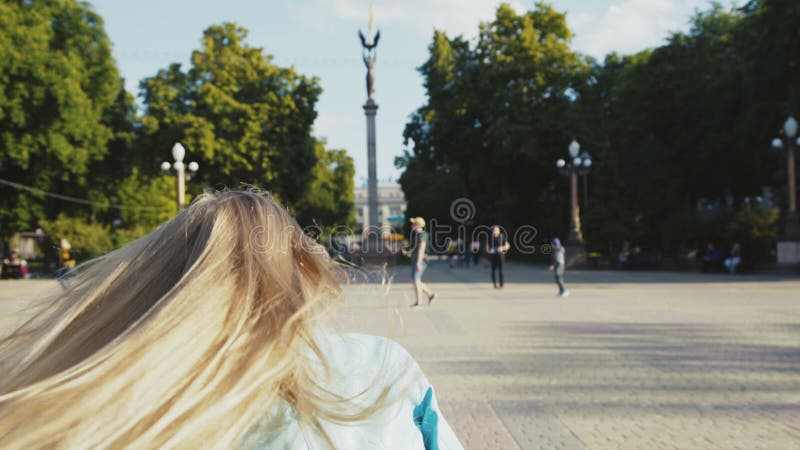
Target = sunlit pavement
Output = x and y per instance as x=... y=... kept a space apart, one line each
x=631 y=360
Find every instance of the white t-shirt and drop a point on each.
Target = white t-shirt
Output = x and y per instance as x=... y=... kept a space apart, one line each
x=367 y=363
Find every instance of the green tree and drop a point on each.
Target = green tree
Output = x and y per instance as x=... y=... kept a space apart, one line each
x=329 y=201
x=499 y=112
x=772 y=41
x=667 y=128
x=89 y=239
x=145 y=203
x=243 y=118
x=58 y=79
x=675 y=131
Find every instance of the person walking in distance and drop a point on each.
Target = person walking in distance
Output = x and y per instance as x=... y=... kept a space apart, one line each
x=475 y=251
x=420 y=243
x=559 y=266
x=497 y=248
x=734 y=260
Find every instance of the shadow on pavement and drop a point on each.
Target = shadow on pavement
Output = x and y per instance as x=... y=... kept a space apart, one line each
x=515 y=272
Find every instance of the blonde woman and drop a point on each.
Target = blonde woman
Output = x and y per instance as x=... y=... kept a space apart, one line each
x=210 y=332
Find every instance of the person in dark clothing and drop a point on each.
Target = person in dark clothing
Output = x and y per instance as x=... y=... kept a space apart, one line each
x=712 y=259
x=624 y=255
x=497 y=248
x=475 y=251
x=12 y=267
x=559 y=266
x=463 y=252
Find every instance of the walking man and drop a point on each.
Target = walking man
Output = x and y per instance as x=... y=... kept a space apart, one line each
x=497 y=248
x=559 y=266
x=420 y=244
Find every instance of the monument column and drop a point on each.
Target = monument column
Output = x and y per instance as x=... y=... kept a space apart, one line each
x=371 y=110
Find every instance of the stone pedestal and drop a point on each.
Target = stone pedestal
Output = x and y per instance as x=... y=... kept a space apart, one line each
x=376 y=253
x=789 y=252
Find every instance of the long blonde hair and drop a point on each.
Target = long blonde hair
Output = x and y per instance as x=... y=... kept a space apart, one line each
x=183 y=338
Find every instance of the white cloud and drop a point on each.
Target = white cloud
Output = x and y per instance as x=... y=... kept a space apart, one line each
x=625 y=26
x=629 y=26
x=453 y=16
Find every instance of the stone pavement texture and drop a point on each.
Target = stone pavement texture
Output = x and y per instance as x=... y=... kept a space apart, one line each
x=631 y=360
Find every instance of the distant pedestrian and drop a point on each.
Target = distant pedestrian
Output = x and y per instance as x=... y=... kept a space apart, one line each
x=712 y=259
x=624 y=255
x=461 y=251
x=452 y=252
x=559 y=266
x=418 y=251
x=475 y=250
x=65 y=259
x=734 y=259
x=466 y=252
x=497 y=248
x=12 y=266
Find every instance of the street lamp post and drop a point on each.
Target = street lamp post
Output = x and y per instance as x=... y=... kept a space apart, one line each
x=178 y=153
x=790 y=140
x=580 y=164
x=789 y=247
x=586 y=157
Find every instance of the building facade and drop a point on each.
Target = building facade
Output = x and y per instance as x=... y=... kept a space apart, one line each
x=391 y=208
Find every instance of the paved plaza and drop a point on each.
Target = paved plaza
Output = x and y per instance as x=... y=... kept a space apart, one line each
x=631 y=360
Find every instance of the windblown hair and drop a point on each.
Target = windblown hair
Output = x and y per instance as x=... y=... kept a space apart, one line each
x=184 y=338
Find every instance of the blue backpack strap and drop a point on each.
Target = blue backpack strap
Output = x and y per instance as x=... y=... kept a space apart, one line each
x=427 y=421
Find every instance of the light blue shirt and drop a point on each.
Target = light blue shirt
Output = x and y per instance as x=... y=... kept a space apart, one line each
x=362 y=363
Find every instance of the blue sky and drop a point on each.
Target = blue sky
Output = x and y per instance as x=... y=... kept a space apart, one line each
x=319 y=38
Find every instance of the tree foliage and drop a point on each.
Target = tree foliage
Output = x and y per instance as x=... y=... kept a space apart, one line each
x=671 y=127
x=497 y=111
x=243 y=118
x=67 y=126
x=88 y=238
x=57 y=80
x=330 y=198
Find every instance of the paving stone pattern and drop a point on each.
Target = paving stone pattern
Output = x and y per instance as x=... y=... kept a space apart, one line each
x=631 y=360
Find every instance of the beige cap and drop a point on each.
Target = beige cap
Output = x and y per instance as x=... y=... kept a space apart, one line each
x=418 y=221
